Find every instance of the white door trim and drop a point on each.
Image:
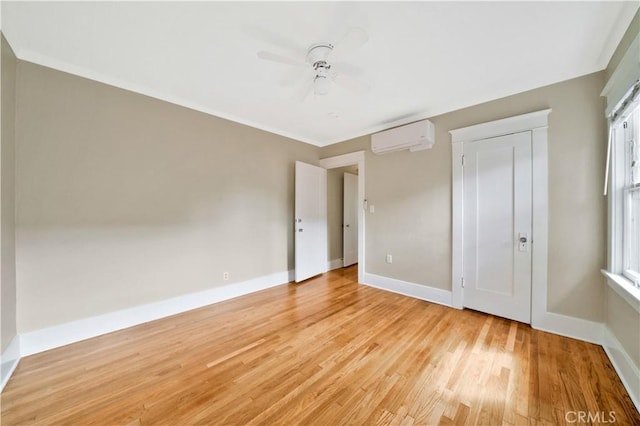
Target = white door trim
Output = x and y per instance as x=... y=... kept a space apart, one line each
x=537 y=123
x=350 y=159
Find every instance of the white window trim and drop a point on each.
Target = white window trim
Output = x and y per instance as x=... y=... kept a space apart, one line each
x=632 y=276
x=617 y=279
x=624 y=288
x=626 y=73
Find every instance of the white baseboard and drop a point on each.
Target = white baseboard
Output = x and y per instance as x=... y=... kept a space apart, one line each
x=64 y=334
x=575 y=328
x=9 y=361
x=334 y=264
x=60 y=335
x=419 y=291
x=628 y=372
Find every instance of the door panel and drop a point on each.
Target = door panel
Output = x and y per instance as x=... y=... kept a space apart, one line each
x=350 y=220
x=497 y=213
x=310 y=221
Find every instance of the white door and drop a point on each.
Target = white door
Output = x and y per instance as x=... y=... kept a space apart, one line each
x=310 y=221
x=350 y=220
x=497 y=226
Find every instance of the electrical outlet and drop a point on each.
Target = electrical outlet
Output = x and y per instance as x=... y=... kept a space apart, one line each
x=389 y=258
x=225 y=276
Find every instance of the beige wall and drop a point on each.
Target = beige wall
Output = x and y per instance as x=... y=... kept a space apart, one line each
x=8 y=283
x=412 y=196
x=624 y=322
x=124 y=200
x=621 y=318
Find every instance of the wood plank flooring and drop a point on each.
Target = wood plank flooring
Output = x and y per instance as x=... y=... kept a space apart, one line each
x=326 y=352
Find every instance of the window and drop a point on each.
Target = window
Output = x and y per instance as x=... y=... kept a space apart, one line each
x=624 y=207
x=622 y=181
x=630 y=132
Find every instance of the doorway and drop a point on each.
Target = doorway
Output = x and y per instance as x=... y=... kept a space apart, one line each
x=352 y=161
x=535 y=124
x=497 y=222
x=342 y=217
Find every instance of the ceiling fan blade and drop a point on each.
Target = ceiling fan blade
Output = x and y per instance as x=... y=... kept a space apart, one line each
x=350 y=83
x=352 y=41
x=292 y=77
x=274 y=57
x=277 y=40
x=303 y=91
x=347 y=68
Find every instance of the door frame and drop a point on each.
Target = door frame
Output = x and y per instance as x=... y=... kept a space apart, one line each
x=351 y=159
x=537 y=124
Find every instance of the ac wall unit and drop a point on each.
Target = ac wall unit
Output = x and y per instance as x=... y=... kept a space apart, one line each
x=414 y=137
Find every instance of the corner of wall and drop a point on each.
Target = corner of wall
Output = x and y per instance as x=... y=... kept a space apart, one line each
x=9 y=343
x=628 y=372
x=9 y=361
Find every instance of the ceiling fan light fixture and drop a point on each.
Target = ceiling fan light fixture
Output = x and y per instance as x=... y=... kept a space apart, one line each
x=319 y=57
x=321 y=85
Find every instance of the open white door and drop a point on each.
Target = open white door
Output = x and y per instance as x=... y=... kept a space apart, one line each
x=310 y=221
x=497 y=226
x=350 y=220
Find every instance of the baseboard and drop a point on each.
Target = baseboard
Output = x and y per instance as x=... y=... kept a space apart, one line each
x=9 y=361
x=419 y=291
x=71 y=332
x=628 y=372
x=575 y=328
x=334 y=264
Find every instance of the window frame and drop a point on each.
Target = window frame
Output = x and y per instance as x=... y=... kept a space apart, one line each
x=630 y=115
x=617 y=90
x=623 y=282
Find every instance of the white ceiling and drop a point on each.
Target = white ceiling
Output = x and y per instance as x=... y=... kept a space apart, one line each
x=421 y=59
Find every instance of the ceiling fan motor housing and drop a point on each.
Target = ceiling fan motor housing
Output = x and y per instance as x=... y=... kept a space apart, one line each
x=317 y=57
x=318 y=54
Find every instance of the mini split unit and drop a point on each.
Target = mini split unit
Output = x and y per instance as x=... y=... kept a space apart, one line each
x=414 y=137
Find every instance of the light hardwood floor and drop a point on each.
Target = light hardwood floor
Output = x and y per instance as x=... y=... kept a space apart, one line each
x=327 y=352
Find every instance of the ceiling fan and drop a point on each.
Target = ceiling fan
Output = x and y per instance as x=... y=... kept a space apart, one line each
x=324 y=60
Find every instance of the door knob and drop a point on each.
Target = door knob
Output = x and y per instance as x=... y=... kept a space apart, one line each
x=347 y=225
x=300 y=230
x=522 y=242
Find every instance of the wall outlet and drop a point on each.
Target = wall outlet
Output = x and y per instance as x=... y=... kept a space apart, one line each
x=389 y=258
x=225 y=276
